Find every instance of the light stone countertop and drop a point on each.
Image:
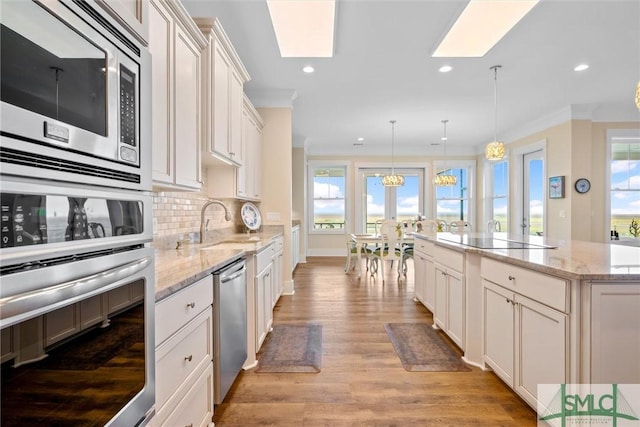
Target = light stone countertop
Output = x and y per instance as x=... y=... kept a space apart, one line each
x=178 y=268
x=573 y=259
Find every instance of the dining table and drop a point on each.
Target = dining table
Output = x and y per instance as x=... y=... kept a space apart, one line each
x=361 y=240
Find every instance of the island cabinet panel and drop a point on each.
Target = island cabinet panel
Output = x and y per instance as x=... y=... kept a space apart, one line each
x=615 y=336
x=425 y=274
x=525 y=341
x=450 y=291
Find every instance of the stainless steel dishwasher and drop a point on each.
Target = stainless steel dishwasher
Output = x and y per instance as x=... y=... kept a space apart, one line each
x=230 y=325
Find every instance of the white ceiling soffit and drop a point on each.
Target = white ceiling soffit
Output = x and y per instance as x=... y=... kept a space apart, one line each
x=303 y=28
x=481 y=25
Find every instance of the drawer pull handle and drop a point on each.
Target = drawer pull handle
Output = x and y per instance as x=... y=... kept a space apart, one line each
x=512 y=278
x=511 y=301
x=189 y=358
x=191 y=305
x=190 y=425
x=443 y=273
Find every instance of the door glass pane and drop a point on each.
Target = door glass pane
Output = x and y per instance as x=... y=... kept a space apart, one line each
x=374 y=203
x=535 y=192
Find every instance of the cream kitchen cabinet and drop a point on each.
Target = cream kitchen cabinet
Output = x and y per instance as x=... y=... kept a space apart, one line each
x=263 y=289
x=525 y=339
x=449 y=312
x=184 y=354
x=295 y=246
x=243 y=182
x=133 y=15
x=614 y=340
x=424 y=270
x=277 y=286
x=175 y=44
x=223 y=80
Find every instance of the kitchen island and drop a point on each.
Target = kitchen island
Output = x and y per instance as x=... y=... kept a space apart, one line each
x=535 y=310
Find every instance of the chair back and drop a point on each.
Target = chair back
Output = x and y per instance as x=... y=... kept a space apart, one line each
x=390 y=241
x=493 y=225
x=460 y=227
x=442 y=225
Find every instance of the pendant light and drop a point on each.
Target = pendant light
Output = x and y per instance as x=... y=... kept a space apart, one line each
x=442 y=179
x=392 y=180
x=638 y=95
x=495 y=150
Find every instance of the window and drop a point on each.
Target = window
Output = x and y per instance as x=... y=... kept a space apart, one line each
x=624 y=179
x=500 y=194
x=454 y=202
x=327 y=189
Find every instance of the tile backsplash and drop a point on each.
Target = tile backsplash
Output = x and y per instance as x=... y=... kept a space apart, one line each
x=176 y=215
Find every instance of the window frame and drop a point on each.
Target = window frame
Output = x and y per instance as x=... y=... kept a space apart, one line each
x=312 y=167
x=489 y=195
x=470 y=165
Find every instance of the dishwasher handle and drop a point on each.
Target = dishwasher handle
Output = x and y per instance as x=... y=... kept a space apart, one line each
x=233 y=273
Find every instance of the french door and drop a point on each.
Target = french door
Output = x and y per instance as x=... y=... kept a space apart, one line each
x=533 y=196
x=399 y=203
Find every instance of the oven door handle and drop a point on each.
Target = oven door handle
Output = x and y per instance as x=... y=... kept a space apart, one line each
x=30 y=304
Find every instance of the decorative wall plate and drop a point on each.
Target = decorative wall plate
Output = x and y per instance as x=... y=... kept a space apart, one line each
x=251 y=216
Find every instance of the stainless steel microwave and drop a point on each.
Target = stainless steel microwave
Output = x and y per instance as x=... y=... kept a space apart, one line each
x=75 y=87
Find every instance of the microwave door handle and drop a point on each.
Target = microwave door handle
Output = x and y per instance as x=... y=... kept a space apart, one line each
x=16 y=308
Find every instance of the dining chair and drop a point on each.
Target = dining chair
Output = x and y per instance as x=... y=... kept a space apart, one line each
x=493 y=225
x=389 y=247
x=460 y=227
x=429 y=226
x=352 y=251
x=442 y=225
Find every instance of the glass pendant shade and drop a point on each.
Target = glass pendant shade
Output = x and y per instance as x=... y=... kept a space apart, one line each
x=443 y=180
x=494 y=150
x=392 y=180
x=638 y=95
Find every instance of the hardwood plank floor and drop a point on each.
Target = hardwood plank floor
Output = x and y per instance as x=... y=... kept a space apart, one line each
x=362 y=382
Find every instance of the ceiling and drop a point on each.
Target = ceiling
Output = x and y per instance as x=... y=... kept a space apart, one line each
x=382 y=69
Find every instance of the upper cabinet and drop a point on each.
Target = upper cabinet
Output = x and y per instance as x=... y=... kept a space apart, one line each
x=223 y=78
x=131 y=14
x=176 y=44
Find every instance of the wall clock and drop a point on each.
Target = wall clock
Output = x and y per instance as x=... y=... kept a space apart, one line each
x=582 y=185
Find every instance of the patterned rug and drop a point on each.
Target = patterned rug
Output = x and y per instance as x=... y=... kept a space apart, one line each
x=292 y=348
x=422 y=348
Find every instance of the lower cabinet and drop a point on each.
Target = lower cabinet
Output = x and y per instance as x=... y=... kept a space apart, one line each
x=277 y=285
x=525 y=341
x=184 y=354
x=264 y=310
x=449 y=302
x=425 y=279
x=295 y=246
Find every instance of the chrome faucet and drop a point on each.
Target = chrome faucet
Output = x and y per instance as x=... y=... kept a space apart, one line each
x=203 y=225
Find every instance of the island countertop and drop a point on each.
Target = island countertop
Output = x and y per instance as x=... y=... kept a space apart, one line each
x=573 y=259
x=178 y=268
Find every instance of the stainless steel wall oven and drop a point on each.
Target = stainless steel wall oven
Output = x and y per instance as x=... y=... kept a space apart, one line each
x=76 y=266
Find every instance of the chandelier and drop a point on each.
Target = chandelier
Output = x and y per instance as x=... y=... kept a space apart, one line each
x=392 y=180
x=638 y=95
x=442 y=179
x=495 y=150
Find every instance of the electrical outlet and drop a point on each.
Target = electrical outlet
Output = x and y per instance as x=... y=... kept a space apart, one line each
x=562 y=214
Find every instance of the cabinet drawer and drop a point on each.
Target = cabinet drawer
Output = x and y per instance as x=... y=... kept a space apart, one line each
x=423 y=246
x=182 y=354
x=264 y=257
x=548 y=290
x=449 y=258
x=178 y=309
x=196 y=407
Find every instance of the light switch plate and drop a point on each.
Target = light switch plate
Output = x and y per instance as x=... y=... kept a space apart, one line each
x=273 y=216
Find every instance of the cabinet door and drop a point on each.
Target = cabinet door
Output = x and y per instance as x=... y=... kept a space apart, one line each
x=221 y=71
x=235 y=117
x=132 y=14
x=268 y=298
x=246 y=142
x=187 y=111
x=499 y=319
x=541 y=354
x=456 y=309
x=257 y=163
x=161 y=49
x=419 y=268
x=261 y=283
x=440 y=306
x=615 y=344
x=430 y=285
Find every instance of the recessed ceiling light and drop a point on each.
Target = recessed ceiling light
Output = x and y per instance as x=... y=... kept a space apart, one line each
x=360 y=139
x=304 y=28
x=445 y=68
x=481 y=25
x=308 y=69
x=581 y=67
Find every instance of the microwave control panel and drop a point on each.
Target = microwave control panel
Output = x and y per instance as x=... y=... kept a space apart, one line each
x=128 y=131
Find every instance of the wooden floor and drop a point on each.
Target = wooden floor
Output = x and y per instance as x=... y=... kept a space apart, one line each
x=362 y=382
